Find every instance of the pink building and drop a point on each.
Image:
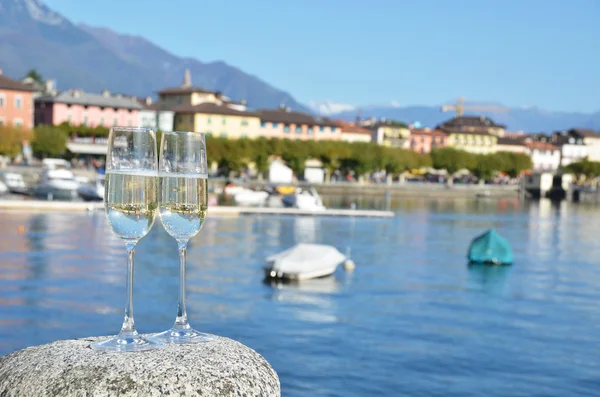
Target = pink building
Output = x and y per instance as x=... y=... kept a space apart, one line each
x=426 y=139
x=93 y=110
x=284 y=124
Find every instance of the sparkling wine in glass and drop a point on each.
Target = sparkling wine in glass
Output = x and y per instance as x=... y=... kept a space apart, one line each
x=131 y=203
x=183 y=205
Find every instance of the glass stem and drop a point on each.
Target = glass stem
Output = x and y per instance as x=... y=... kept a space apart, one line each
x=128 y=327
x=181 y=321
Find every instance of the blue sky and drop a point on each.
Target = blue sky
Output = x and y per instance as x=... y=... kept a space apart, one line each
x=516 y=52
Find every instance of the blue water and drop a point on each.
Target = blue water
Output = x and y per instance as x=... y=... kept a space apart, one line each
x=412 y=320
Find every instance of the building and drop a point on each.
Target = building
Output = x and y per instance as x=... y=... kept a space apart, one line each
x=152 y=116
x=77 y=107
x=572 y=148
x=514 y=145
x=353 y=133
x=392 y=134
x=16 y=103
x=544 y=156
x=473 y=124
x=590 y=138
x=472 y=134
x=187 y=94
x=284 y=124
x=424 y=140
x=218 y=120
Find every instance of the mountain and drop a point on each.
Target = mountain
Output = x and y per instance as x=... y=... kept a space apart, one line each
x=34 y=36
x=530 y=119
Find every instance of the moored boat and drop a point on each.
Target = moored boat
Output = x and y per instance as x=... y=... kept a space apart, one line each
x=490 y=248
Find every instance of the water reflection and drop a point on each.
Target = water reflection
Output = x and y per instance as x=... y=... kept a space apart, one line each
x=411 y=306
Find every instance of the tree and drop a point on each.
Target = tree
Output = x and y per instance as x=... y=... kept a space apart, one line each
x=11 y=139
x=49 y=141
x=35 y=76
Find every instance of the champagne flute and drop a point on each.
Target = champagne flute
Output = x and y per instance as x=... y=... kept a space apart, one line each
x=183 y=204
x=131 y=202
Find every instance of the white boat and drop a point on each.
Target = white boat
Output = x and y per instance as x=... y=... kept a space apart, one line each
x=232 y=190
x=250 y=197
x=3 y=188
x=303 y=262
x=56 y=181
x=303 y=199
x=93 y=191
x=14 y=182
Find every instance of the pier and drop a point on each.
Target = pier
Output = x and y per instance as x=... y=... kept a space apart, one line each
x=80 y=206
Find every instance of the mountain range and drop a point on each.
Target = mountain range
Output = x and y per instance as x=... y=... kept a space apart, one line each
x=96 y=58
x=34 y=36
x=528 y=119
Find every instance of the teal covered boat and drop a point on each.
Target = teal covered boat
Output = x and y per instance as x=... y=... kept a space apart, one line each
x=490 y=248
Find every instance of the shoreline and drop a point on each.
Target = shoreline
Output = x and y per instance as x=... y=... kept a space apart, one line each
x=29 y=206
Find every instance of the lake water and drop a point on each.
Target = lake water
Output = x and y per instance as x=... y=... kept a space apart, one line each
x=412 y=320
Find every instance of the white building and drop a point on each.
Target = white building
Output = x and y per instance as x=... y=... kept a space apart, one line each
x=572 y=147
x=151 y=116
x=544 y=156
x=353 y=132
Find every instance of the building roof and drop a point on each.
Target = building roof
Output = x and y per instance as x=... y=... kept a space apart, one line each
x=427 y=131
x=469 y=121
x=78 y=97
x=289 y=117
x=349 y=128
x=457 y=131
x=511 y=141
x=183 y=90
x=213 y=108
x=585 y=133
x=7 y=83
x=541 y=145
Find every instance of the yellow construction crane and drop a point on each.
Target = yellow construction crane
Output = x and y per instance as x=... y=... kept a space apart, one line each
x=460 y=107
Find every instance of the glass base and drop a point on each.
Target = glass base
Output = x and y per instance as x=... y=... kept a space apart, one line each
x=133 y=342
x=181 y=335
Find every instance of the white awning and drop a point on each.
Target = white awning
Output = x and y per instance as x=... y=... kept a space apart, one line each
x=87 y=148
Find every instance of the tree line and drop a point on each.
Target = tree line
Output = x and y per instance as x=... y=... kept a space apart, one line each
x=235 y=155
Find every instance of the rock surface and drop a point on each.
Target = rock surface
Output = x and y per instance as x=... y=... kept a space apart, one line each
x=221 y=367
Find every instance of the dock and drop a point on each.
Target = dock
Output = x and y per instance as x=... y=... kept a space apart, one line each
x=80 y=206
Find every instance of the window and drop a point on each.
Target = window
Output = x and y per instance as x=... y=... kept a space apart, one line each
x=191 y=119
x=310 y=130
x=286 y=128
x=322 y=129
x=69 y=117
x=18 y=101
x=275 y=125
x=18 y=122
x=223 y=135
x=114 y=122
x=2 y=100
x=129 y=123
x=208 y=120
x=101 y=121
x=244 y=135
x=263 y=124
x=244 y=122
x=333 y=129
x=85 y=120
x=224 y=121
x=298 y=129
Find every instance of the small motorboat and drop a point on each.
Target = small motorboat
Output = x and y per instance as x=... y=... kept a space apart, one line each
x=3 y=188
x=14 y=182
x=56 y=181
x=93 y=191
x=490 y=248
x=303 y=199
x=303 y=262
x=251 y=197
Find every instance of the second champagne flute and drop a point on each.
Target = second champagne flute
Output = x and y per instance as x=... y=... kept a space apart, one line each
x=183 y=204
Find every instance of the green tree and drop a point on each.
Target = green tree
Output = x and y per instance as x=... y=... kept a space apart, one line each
x=35 y=76
x=11 y=139
x=49 y=141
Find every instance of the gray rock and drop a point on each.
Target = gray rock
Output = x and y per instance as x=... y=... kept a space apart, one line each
x=221 y=367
